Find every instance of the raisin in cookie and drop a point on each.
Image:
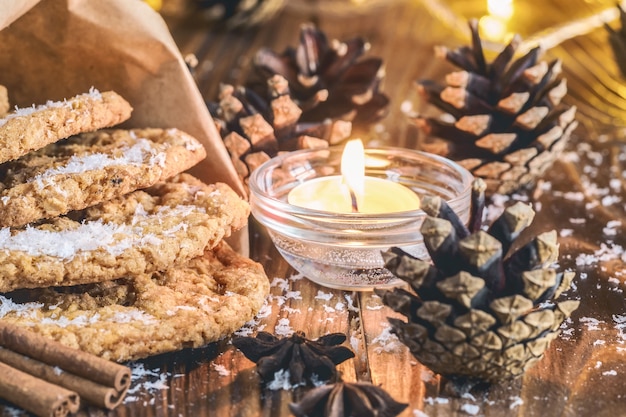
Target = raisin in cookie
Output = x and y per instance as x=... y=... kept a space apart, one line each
x=90 y=168
x=199 y=302
x=30 y=128
x=141 y=232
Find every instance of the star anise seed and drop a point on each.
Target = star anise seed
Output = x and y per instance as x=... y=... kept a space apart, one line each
x=308 y=361
x=344 y=399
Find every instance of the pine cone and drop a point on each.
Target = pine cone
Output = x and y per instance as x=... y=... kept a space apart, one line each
x=479 y=313
x=256 y=128
x=328 y=79
x=240 y=13
x=509 y=123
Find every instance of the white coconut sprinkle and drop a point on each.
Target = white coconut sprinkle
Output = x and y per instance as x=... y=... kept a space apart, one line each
x=220 y=369
x=516 y=402
x=27 y=111
x=281 y=381
x=140 y=153
x=471 y=409
x=19 y=309
x=87 y=236
x=321 y=295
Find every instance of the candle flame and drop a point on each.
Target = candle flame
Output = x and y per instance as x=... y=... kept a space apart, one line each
x=353 y=170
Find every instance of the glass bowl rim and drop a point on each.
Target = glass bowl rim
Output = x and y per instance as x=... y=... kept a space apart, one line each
x=255 y=190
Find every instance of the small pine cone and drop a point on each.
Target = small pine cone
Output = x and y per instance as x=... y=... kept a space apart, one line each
x=509 y=124
x=239 y=13
x=328 y=79
x=481 y=312
x=256 y=128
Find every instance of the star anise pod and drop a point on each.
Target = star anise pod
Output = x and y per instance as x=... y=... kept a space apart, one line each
x=308 y=361
x=344 y=399
x=328 y=79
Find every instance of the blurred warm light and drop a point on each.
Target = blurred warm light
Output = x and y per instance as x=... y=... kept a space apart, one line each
x=493 y=28
x=155 y=4
x=502 y=9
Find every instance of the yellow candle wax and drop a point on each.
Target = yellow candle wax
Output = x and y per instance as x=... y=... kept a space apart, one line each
x=352 y=191
x=333 y=195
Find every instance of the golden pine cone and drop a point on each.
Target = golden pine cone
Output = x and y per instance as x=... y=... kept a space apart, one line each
x=480 y=312
x=508 y=124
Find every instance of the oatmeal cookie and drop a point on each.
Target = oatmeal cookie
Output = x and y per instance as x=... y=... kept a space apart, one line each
x=30 y=128
x=142 y=232
x=197 y=303
x=4 y=101
x=90 y=168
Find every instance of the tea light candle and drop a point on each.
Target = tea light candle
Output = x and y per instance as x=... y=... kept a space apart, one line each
x=353 y=191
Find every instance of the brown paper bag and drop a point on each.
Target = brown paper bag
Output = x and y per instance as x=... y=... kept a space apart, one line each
x=56 y=49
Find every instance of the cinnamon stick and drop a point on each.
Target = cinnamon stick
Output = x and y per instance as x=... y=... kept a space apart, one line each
x=36 y=395
x=92 y=392
x=74 y=361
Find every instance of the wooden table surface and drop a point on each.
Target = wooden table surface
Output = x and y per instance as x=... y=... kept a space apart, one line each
x=583 y=197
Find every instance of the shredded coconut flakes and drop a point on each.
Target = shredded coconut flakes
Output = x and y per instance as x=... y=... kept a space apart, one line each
x=26 y=111
x=88 y=236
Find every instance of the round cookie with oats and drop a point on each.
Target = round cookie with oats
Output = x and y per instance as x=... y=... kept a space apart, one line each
x=189 y=305
x=87 y=169
x=31 y=128
x=142 y=232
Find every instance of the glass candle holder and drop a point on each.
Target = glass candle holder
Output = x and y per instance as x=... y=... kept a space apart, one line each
x=343 y=250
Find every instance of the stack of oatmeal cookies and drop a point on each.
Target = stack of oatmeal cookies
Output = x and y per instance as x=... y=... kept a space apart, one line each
x=106 y=245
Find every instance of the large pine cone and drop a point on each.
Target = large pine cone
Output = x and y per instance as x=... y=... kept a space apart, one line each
x=257 y=127
x=328 y=79
x=479 y=313
x=509 y=124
